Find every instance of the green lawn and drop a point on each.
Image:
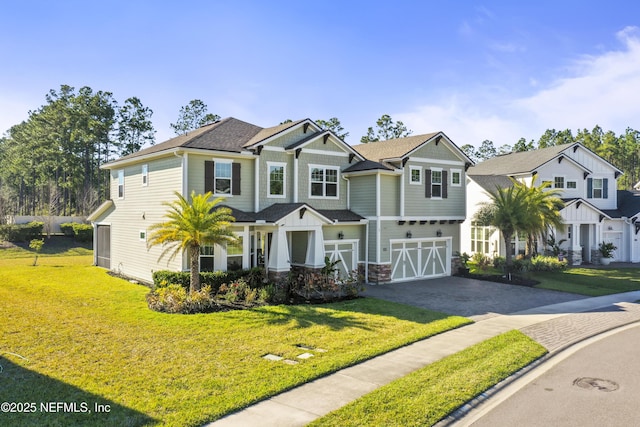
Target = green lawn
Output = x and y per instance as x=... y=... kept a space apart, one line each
x=431 y=393
x=54 y=246
x=73 y=334
x=590 y=281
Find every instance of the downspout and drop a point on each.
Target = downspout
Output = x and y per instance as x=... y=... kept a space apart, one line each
x=256 y=186
x=378 y=212
x=366 y=253
x=184 y=189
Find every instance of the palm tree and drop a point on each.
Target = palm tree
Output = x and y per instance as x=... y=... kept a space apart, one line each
x=506 y=212
x=521 y=208
x=191 y=225
x=543 y=211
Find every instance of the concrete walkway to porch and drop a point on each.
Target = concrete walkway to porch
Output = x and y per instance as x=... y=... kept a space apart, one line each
x=556 y=326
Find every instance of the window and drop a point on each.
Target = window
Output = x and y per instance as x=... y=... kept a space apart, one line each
x=456 y=177
x=597 y=188
x=222 y=177
x=416 y=175
x=276 y=179
x=234 y=255
x=436 y=183
x=480 y=238
x=206 y=258
x=145 y=175
x=121 y=184
x=142 y=235
x=572 y=185
x=558 y=182
x=323 y=181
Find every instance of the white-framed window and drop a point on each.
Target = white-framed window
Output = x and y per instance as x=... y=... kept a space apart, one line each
x=121 y=184
x=572 y=185
x=456 y=177
x=234 y=254
x=323 y=181
x=436 y=183
x=277 y=183
x=207 y=258
x=415 y=175
x=558 y=182
x=597 y=188
x=481 y=238
x=145 y=175
x=142 y=235
x=222 y=177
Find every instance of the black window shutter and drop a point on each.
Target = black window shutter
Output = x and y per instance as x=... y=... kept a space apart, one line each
x=208 y=176
x=235 y=179
x=589 y=188
x=445 y=184
x=605 y=188
x=427 y=181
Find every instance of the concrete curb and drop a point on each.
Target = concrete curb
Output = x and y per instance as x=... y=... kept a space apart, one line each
x=460 y=413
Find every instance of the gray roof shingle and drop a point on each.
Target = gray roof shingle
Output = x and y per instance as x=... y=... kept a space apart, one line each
x=518 y=162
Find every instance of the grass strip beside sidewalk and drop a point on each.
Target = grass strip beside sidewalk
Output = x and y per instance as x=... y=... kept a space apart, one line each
x=430 y=394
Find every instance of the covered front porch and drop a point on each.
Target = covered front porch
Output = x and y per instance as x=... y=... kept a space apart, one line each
x=290 y=236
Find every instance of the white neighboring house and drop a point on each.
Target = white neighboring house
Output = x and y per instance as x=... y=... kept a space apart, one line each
x=594 y=210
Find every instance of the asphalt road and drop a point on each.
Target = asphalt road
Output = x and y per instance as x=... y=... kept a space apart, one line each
x=596 y=385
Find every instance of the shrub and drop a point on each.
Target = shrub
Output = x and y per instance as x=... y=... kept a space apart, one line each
x=83 y=232
x=67 y=229
x=254 y=277
x=547 y=263
x=481 y=260
x=499 y=262
x=175 y=299
x=21 y=232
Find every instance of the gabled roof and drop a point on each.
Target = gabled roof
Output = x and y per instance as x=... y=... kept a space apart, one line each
x=608 y=213
x=392 y=148
x=489 y=183
x=366 y=165
x=229 y=134
x=267 y=133
x=518 y=162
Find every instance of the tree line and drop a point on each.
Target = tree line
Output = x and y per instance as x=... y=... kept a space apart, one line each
x=622 y=151
x=50 y=163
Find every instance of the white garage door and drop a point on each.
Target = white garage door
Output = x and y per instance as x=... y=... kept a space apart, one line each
x=420 y=258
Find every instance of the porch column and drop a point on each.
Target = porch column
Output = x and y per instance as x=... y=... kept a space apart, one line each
x=279 y=254
x=315 y=248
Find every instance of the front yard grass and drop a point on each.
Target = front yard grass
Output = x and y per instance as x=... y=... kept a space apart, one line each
x=75 y=335
x=590 y=281
x=431 y=393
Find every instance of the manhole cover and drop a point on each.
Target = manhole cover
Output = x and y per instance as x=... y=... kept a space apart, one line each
x=596 y=384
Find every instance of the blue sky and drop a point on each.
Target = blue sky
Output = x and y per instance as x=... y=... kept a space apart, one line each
x=497 y=70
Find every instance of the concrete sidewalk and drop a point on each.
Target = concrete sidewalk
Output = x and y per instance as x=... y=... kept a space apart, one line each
x=555 y=326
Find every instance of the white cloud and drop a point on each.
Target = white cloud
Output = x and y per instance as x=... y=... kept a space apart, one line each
x=598 y=89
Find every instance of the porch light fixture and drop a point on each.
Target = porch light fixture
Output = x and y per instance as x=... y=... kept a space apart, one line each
x=439 y=233
x=409 y=234
x=340 y=235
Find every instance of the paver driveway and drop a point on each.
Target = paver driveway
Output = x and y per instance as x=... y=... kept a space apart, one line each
x=472 y=298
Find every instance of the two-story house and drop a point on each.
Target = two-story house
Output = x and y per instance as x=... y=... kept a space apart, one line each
x=298 y=193
x=593 y=212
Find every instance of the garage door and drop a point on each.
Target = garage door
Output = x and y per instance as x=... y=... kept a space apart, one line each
x=420 y=258
x=103 y=246
x=345 y=251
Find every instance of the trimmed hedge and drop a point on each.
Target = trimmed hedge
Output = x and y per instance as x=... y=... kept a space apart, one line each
x=21 y=232
x=254 y=278
x=83 y=232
